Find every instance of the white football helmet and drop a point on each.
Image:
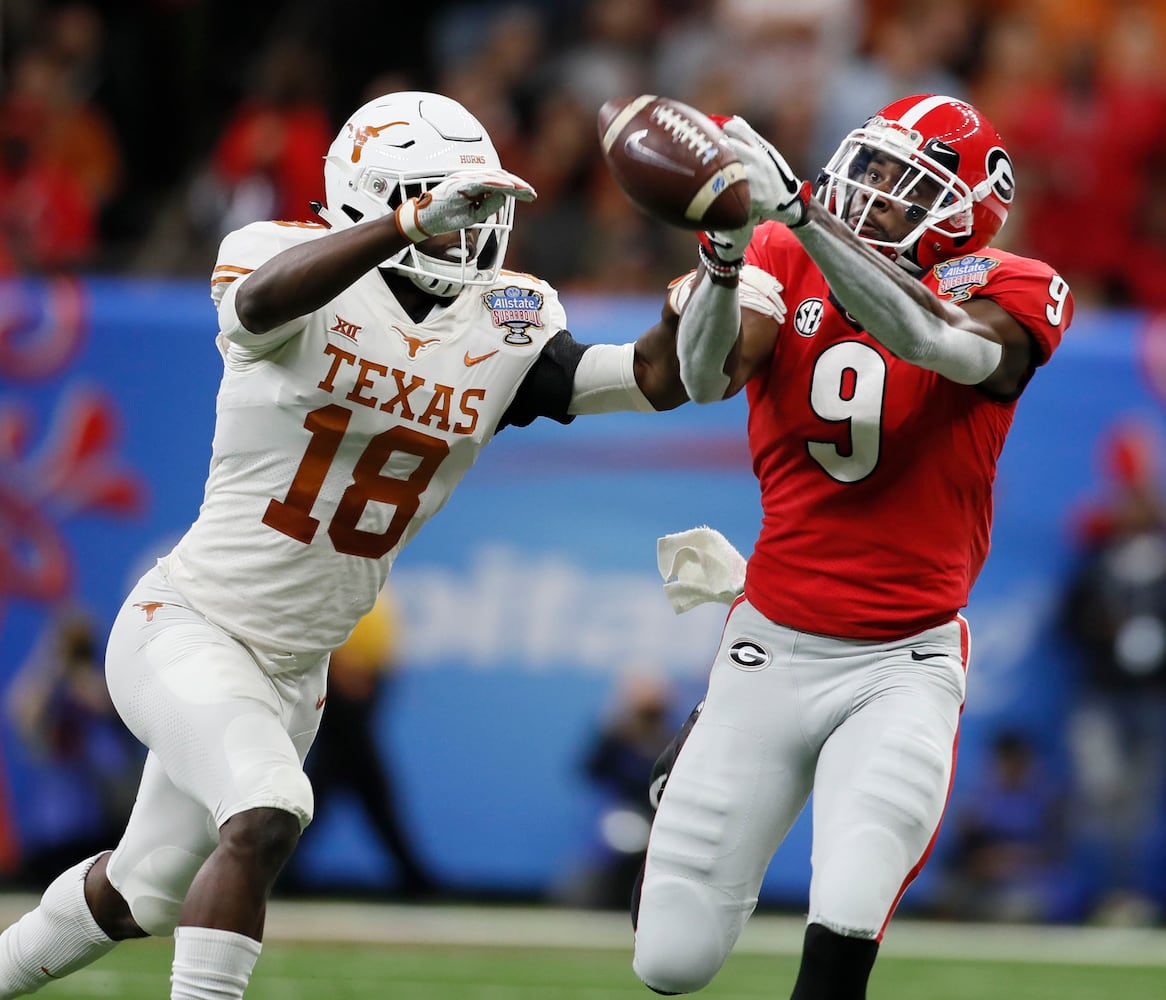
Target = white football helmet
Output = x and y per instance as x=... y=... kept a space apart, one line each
x=396 y=147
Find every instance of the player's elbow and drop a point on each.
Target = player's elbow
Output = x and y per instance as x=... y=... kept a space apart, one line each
x=710 y=394
x=249 y=308
x=264 y=301
x=703 y=386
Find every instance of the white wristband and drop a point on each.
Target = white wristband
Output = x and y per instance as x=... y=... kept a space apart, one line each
x=407 y=224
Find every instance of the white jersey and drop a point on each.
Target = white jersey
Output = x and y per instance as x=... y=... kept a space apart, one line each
x=337 y=437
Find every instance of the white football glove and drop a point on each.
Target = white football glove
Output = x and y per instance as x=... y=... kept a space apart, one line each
x=461 y=200
x=728 y=246
x=774 y=189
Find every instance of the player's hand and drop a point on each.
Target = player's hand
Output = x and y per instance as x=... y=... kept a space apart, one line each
x=462 y=199
x=728 y=246
x=775 y=190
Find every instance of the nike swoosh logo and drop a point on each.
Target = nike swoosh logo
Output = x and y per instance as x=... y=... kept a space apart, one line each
x=915 y=655
x=471 y=361
x=634 y=146
x=320 y=702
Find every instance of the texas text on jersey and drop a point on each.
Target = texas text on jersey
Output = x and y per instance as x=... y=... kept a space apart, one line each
x=346 y=430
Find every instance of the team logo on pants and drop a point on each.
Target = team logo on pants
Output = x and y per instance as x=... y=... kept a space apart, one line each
x=749 y=655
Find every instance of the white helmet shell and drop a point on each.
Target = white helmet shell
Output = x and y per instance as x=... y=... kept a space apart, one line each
x=396 y=147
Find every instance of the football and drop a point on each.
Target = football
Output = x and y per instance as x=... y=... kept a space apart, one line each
x=673 y=162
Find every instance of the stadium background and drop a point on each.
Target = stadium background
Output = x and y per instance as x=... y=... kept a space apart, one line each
x=537 y=589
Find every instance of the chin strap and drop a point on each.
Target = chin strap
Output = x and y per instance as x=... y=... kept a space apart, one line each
x=443 y=288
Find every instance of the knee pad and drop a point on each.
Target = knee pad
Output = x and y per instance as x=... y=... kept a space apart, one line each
x=296 y=788
x=155 y=886
x=282 y=787
x=264 y=771
x=685 y=932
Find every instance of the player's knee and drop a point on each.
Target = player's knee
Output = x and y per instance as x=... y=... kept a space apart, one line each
x=685 y=933
x=295 y=790
x=284 y=788
x=266 y=836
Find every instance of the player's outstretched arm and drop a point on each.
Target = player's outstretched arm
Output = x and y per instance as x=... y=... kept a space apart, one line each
x=978 y=345
x=709 y=329
x=642 y=377
x=727 y=328
x=302 y=279
x=647 y=375
x=719 y=345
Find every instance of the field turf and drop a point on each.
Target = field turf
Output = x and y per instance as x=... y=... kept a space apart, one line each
x=362 y=951
x=290 y=971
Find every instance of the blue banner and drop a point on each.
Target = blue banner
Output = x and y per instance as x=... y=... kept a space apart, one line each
x=534 y=593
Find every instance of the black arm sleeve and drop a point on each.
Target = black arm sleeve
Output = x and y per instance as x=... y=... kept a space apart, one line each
x=546 y=390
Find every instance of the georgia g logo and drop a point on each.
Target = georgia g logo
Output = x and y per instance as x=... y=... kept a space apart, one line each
x=1000 y=175
x=749 y=655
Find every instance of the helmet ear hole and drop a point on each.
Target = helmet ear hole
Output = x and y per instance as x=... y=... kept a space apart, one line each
x=352 y=213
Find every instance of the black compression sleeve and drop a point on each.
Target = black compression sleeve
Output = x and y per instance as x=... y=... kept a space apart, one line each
x=546 y=390
x=834 y=967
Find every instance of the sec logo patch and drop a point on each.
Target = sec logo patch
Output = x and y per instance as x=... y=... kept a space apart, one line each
x=749 y=655
x=808 y=317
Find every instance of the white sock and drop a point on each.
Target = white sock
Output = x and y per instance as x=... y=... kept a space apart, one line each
x=211 y=964
x=57 y=938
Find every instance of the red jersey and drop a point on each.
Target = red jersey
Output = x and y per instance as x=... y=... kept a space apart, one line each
x=876 y=475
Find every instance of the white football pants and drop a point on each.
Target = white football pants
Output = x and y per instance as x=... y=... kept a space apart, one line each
x=227 y=726
x=870 y=727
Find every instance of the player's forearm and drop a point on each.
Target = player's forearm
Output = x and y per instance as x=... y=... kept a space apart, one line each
x=894 y=308
x=710 y=323
x=606 y=382
x=306 y=277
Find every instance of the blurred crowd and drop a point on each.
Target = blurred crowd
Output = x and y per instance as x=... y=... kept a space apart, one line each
x=133 y=136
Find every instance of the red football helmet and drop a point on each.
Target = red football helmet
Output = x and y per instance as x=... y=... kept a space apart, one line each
x=957 y=180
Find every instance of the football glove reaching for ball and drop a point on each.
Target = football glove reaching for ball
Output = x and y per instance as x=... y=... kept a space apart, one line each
x=461 y=200
x=774 y=191
x=710 y=323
